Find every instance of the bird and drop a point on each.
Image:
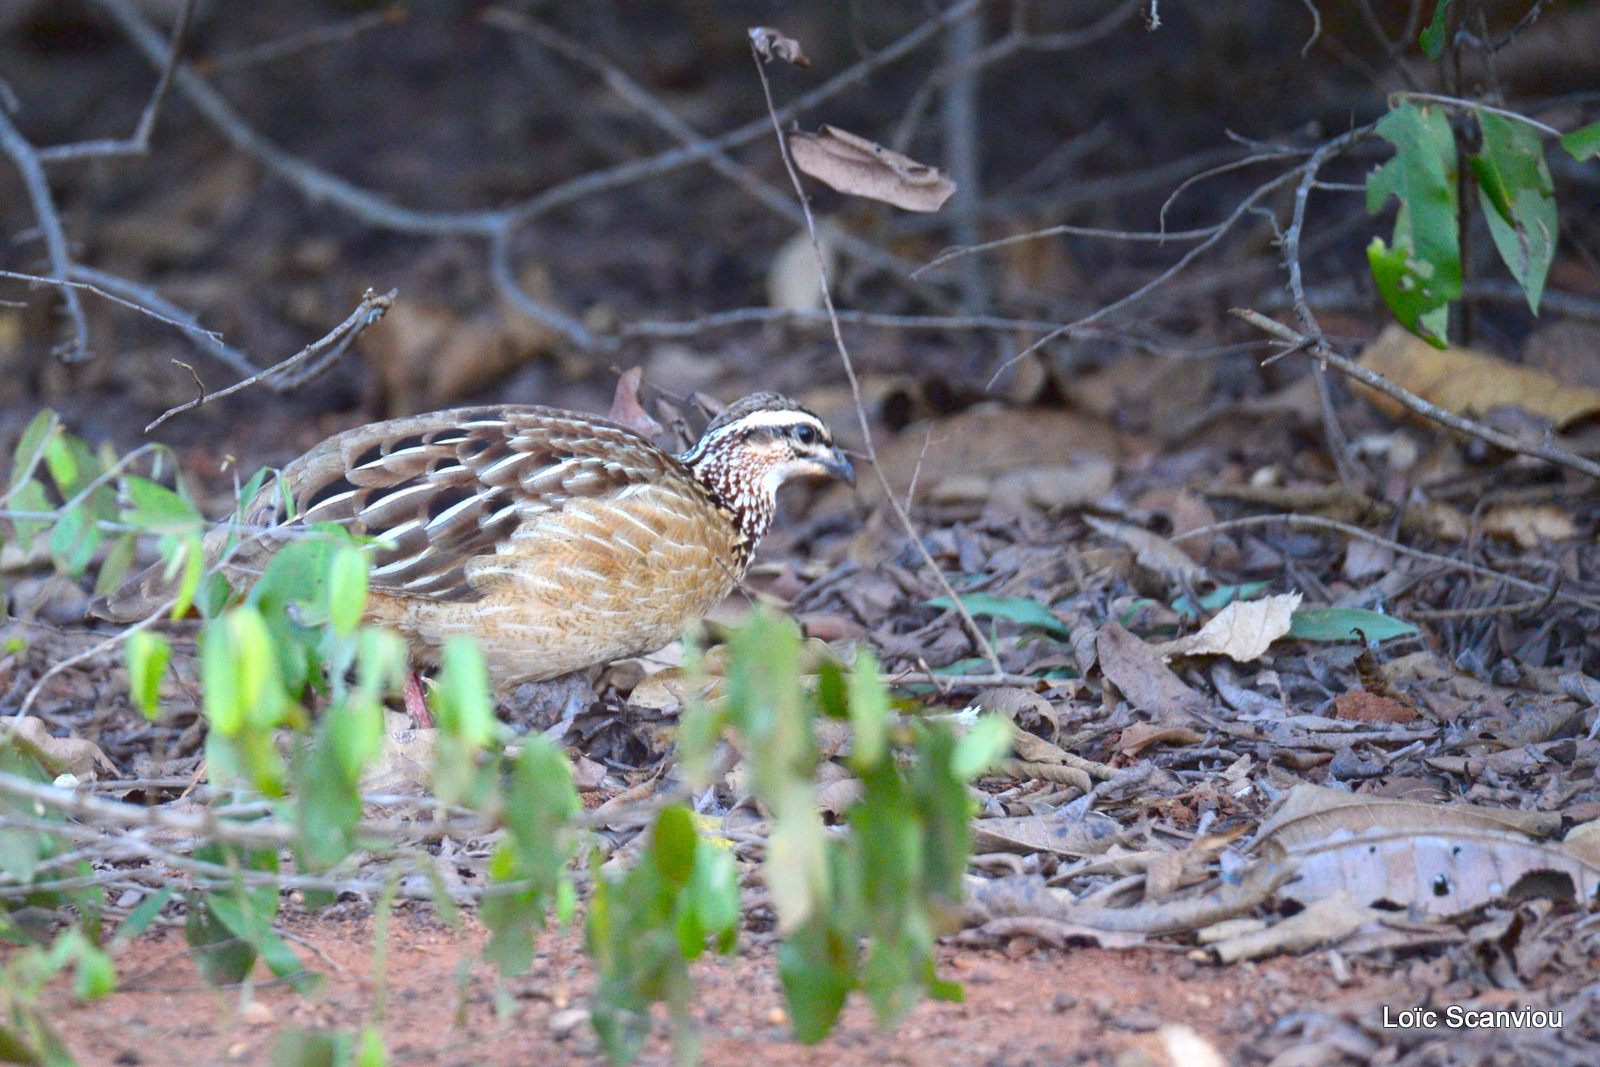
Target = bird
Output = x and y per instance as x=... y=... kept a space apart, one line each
x=560 y=541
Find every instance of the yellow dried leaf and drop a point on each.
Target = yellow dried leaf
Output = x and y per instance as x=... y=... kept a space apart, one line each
x=1530 y=525
x=1467 y=382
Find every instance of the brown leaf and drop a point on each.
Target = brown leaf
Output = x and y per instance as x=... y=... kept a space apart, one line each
x=1137 y=670
x=1362 y=706
x=1141 y=735
x=771 y=44
x=852 y=164
x=1467 y=382
x=1530 y=525
x=59 y=755
x=1151 y=550
x=625 y=407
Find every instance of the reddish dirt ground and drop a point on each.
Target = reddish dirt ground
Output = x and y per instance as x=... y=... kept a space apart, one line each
x=1024 y=1005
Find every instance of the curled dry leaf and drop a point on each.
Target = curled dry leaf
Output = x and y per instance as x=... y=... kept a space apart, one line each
x=58 y=755
x=852 y=164
x=1242 y=631
x=771 y=44
x=625 y=406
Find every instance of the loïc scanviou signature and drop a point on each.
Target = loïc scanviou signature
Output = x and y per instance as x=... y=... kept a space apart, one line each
x=1459 y=1017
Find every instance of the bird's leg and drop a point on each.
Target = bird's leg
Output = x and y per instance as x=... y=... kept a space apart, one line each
x=417 y=703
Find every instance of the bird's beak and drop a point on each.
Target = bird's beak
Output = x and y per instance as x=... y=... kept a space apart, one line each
x=839 y=467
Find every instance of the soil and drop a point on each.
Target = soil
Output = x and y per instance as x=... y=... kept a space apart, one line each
x=1025 y=1004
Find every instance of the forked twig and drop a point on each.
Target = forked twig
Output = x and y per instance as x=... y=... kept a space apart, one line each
x=304 y=365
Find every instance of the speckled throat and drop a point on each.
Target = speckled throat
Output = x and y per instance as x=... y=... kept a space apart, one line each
x=735 y=476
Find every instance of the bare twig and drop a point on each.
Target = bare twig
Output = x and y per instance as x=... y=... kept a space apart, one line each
x=1317 y=522
x=1473 y=105
x=139 y=143
x=304 y=365
x=1239 y=212
x=144 y=299
x=294 y=44
x=980 y=639
x=1320 y=350
x=26 y=159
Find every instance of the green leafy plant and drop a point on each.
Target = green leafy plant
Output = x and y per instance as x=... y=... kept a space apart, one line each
x=860 y=910
x=1419 y=272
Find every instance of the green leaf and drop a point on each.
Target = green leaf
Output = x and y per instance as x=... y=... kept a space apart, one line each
x=985 y=741
x=147 y=656
x=1583 y=143
x=817 y=964
x=463 y=707
x=313 y=1048
x=119 y=557
x=1420 y=274
x=1341 y=624
x=369 y=1049
x=32 y=444
x=1437 y=35
x=238 y=672
x=251 y=920
x=31 y=496
x=157 y=509
x=140 y=918
x=74 y=540
x=221 y=957
x=1019 y=610
x=869 y=713
x=1217 y=599
x=673 y=845
x=347 y=589
x=1518 y=200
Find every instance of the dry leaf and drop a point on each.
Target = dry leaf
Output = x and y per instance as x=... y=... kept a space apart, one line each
x=771 y=44
x=1140 y=674
x=1242 y=631
x=1530 y=525
x=1141 y=735
x=1151 y=550
x=1362 y=706
x=1056 y=831
x=852 y=164
x=59 y=755
x=625 y=407
x=1467 y=382
x=404 y=766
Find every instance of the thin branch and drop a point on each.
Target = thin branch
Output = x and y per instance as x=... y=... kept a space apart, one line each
x=144 y=299
x=305 y=41
x=1300 y=343
x=1155 y=237
x=26 y=159
x=1188 y=257
x=1473 y=105
x=304 y=365
x=1317 y=522
x=973 y=629
x=139 y=143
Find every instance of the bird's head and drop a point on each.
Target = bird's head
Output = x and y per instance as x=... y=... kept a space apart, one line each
x=756 y=445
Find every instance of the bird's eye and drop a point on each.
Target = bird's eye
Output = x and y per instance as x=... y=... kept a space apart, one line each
x=806 y=435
